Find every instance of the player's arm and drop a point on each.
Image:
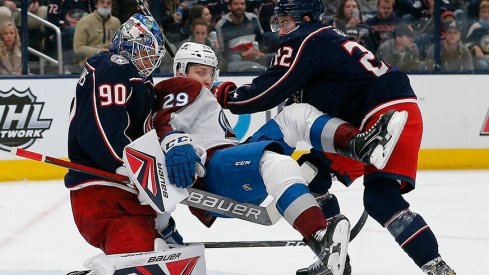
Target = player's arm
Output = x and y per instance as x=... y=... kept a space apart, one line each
x=287 y=74
x=172 y=120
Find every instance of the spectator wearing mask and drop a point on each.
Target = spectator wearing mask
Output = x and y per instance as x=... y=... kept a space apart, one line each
x=10 y=51
x=401 y=50
x=383 y=25
x=455 y=56
x=94 y=32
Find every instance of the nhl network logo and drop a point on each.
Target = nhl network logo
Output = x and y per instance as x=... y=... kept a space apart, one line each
x=20 y=122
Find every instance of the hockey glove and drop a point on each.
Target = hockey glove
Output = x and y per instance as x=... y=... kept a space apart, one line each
x=180 y=159
x=170 y=234
x=222 y=90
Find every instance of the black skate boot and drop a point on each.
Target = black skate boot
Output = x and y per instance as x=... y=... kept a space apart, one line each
x=437 y=267
x=331 y=247
x=84 y=272
x=318 y=269
x=375 y=145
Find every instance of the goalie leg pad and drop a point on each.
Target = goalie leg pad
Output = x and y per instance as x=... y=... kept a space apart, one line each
x=180 y=260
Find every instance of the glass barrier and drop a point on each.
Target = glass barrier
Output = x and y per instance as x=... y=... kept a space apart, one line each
x=418 y=36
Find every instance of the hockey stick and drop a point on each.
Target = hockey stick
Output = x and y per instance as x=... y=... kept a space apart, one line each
x=169 y=47
x=289 y=243
x=197 y=198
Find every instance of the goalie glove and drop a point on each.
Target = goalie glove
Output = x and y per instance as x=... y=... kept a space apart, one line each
x=181 y=159
x=221 y=92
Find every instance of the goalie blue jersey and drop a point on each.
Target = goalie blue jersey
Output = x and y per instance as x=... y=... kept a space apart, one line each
x=112 y=107
x=319 y=65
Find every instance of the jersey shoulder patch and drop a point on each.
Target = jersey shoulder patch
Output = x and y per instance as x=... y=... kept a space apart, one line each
x=119 y=59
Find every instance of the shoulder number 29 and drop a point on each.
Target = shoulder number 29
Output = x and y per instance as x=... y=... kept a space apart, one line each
x=366 y=59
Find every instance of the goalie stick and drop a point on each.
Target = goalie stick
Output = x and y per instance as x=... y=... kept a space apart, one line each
x=145 y=10
x=197 y=198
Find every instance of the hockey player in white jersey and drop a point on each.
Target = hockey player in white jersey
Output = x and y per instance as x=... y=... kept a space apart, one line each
x=248 y=172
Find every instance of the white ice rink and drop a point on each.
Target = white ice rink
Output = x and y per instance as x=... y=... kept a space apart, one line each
x=38 y=235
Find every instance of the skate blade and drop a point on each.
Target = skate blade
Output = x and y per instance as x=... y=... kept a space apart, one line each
x=341 y=237
x=382 y=152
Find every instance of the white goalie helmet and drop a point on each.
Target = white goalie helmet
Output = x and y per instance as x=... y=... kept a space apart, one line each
x=194 y=53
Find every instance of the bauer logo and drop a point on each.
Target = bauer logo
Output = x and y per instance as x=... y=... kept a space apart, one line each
x=485 y=126
x=20 y=119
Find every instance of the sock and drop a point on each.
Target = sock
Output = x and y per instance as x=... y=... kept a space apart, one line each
x=328 y=133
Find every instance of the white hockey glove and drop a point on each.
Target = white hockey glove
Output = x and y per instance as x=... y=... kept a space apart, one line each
x=182 y=162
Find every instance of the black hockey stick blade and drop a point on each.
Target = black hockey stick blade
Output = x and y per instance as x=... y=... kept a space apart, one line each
x=359 y=225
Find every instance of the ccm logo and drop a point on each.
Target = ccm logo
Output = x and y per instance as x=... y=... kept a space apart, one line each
x=241 y=163
x=235 y=208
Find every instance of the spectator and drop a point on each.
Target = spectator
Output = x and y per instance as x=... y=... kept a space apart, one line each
x=10 y=51
x=200 y=33
x=6 y=9
x=401 y=50
x=330 y=8
x=478 y=38
x=265 y=13
x=217 y=8
x=237 y=30
x=179 y=30
x=200 y=11
x=94 y=32
x=368 y=8
x=35 y=7
x=65 y=14
x=383 y=25
x=348 y=16
x=123 y=9
x=455 y=56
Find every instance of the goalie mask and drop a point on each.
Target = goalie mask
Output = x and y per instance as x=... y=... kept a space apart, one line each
x=194 y=53
x=140 y=40
x=297 y=9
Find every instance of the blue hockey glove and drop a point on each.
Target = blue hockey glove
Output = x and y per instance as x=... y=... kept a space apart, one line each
x=170 y=234
x=181 y=159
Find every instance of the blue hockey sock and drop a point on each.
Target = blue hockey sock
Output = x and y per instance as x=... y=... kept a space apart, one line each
x=414 y=236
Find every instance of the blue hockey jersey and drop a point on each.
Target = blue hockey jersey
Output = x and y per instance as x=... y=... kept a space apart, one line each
x=112 y=107
x=319 y=65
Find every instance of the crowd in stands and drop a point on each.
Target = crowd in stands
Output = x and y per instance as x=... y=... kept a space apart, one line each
x=401 y=32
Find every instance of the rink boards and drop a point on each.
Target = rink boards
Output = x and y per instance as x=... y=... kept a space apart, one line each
x=34 y=114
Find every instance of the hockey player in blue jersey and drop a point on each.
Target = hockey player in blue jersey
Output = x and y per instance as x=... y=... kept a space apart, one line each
x=112 y=107
x=320 y=65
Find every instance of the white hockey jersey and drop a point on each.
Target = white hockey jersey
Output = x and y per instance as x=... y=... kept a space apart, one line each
x=184 y=104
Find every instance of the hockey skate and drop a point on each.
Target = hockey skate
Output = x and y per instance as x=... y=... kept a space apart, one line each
x=437 y=267
x=318 y=269
x=331 y=247
x=84 y=272
x=375 y=145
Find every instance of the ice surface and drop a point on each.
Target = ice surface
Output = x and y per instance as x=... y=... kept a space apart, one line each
x=38 y=235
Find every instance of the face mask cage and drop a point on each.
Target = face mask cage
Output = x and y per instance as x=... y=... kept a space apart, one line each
x=145 y=58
